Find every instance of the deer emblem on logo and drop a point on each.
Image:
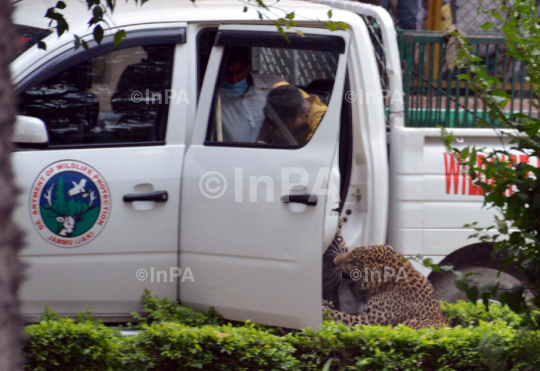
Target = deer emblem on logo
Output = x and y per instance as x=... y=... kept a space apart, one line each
x=70 y=203
x=68 y=212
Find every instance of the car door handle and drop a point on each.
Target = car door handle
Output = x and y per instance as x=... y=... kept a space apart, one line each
x=158 y=196
x=310 y=200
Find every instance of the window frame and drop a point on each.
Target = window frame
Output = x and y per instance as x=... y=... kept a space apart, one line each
x=137 y=38
x=200 y=72
x=231 y=38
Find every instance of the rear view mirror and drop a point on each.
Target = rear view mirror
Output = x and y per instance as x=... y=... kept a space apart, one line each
x=30 y=131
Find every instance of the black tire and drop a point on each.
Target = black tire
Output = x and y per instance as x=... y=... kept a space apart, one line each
x=446 y=290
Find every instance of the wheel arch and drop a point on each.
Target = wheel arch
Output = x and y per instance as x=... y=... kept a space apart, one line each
x=476 y=255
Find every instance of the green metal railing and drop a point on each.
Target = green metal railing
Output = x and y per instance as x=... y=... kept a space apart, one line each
x=435 y=96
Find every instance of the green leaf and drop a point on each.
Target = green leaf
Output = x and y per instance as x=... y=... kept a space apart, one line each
x=464 y=153
x=489 y=287
x=290 y=15
x=504 y=298
x=462 y=284
x=464 y=77
x=327 y=365
x=500 y=93
x=332 y=26
x=502 y=226
x=472 y=294
x=499 y=101
x=98 y=34
x=119 y=36
x=486 y=26
x=485 y=300
x=282 y=32
x=473 y=158
x=50 y=13
x=330 y=13
x=98 y=13
x=61 y=28
x=447 y=268
x=498 y=16
x=492 y=80
x=515 y=302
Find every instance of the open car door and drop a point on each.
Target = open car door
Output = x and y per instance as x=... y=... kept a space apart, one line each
x=258 y=211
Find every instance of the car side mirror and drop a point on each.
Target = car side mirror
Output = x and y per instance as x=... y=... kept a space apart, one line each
x=30 y=131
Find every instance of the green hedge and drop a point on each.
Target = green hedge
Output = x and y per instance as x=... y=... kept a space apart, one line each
x=401 y=348
x=173 y=337
x=61 y=344
x=163 y=310
x=468 y=315
x=172 y=346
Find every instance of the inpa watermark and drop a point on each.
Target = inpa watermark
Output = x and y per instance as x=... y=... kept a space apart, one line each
x=388 y=274
x=165 y=276
x=165 y=97
x=214 y=184
x=372 y=97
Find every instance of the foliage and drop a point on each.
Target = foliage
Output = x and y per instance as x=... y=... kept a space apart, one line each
x=386 y=348
x=467 y=314
x=171 y=346
x=101 y=10
x=287 y=19
x=491 y=340
x=58 y=344
x=164 y=310
x=511 y=188
x=499 y=356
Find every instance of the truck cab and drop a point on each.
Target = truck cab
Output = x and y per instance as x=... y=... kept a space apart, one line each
x=135 y=174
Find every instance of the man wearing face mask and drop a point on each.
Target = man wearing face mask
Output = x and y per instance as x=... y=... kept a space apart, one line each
x=243 y=94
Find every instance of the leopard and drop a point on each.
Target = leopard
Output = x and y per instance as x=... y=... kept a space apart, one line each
x=397 y=293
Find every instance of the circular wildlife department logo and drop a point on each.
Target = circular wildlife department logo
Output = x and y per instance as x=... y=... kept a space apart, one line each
x=69 y=203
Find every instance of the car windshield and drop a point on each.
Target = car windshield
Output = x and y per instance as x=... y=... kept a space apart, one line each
x=29 y=36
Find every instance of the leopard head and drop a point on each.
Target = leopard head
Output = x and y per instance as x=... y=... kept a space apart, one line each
x=368 y=265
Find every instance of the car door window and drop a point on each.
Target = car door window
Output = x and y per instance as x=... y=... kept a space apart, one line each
x=116 y=98
x=271 y=96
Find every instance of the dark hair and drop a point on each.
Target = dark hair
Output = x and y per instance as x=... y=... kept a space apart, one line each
x=287 y=101
x=238 y=54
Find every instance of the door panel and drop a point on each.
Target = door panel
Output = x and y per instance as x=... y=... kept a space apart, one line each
x=105 y=265
x=252 y=255
x=86 y=246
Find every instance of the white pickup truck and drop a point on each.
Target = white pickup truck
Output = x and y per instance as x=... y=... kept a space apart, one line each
x=129 y=180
